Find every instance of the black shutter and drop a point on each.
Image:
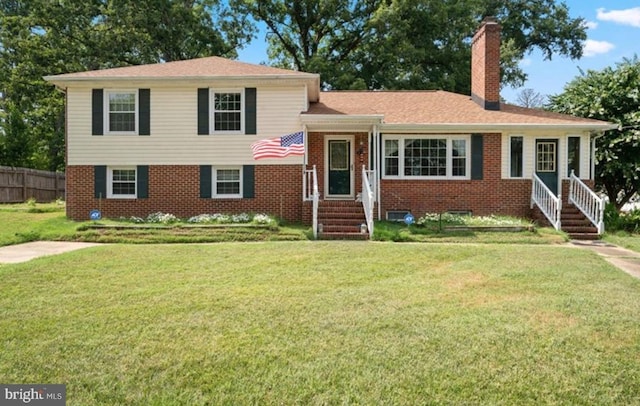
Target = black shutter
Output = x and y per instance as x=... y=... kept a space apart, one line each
x=144 y=103
x=142 y=174
x=100 y=182
x=203 y=112
x=250 y=110
x=205 y=181
x=476 y=156
x=97 y=112
x=248 y=181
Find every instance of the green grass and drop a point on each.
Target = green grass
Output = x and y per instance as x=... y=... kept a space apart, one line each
x=624 y=239
x=23 y=223
x=323 y=323
x=434 y=232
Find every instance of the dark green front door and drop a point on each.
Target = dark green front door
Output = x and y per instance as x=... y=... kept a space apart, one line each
x=547 y=163
x=339 y=167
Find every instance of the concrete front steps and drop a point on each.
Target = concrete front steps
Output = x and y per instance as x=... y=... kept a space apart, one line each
x=341 y=220
x=576 y=225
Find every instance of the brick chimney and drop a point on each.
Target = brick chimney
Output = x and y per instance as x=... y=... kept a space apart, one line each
x=485 y=65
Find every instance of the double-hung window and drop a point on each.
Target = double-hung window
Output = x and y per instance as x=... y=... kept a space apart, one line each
x=121 y=182
x=427 y=157
x=121 y=112
x=227 y=182
x=228 y=111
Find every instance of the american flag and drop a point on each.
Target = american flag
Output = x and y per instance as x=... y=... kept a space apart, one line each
x=279 y=147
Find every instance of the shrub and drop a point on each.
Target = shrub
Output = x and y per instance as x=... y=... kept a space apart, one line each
x=159 y=217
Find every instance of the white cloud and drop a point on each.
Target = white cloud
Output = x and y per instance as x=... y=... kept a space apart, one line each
x=526 y=62
x=630 y=16
x=593 y=47
x=591 y=25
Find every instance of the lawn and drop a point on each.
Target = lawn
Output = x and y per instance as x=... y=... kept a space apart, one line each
x=323 y=323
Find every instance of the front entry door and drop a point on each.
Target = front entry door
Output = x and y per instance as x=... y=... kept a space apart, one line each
x=339 y=168
x=547 y=163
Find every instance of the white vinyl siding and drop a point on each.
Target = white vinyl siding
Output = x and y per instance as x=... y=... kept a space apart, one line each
x=529 y=151
x=174 y=139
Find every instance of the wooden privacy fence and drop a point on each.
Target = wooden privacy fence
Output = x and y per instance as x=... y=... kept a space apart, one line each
x=21 y=184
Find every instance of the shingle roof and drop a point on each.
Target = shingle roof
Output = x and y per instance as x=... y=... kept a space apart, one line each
x=202 y=67
x=433 y=107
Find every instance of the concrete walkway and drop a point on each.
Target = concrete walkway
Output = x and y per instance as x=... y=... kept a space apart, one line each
x=622 y=258
x=14 y=254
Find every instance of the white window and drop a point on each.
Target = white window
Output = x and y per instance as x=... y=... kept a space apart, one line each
x=121 y=114
x=227 y=182
x=546 y=156
x=228 y=111
x=427 y=157
x=121 y=183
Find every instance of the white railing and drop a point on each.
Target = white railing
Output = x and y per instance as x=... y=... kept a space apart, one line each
x=589 y=203
x=548 y=203
x=368 y=197
x=310 y=193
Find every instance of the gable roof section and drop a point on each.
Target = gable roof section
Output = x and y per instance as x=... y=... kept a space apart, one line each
x=439 y=110
x=213 y=67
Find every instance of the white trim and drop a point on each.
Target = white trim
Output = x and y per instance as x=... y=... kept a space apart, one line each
x=212 y=110
x=107 y=111
x=351 y=140
x=214 y=181
x=110 y=170
x=490 y=128
x=449 y=138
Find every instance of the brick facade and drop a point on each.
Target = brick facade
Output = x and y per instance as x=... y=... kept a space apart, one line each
x=490 y=195
x=175 y=189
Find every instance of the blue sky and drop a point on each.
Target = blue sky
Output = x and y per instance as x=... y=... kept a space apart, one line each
x=613 y=34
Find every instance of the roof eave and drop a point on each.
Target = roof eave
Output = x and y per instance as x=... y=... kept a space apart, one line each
x=313 y=90
x=338 y=118
x=497 y=127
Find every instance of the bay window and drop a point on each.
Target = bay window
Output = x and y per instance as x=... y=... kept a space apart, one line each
x=426 y=157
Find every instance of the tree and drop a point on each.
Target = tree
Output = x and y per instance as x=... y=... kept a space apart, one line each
x=612 y=94
x=43 y=37
x=530 y=98
x=409 y=44
x=312 y=36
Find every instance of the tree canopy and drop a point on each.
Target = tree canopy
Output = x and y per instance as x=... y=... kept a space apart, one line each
x=612 y=94
x=409 y=44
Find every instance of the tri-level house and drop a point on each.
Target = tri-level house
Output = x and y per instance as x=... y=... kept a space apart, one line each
x=177 y=137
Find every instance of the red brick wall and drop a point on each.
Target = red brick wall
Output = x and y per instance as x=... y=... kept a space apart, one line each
x=175 y=189
x=485 y=63
x=491 y=195
x=316 y=156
